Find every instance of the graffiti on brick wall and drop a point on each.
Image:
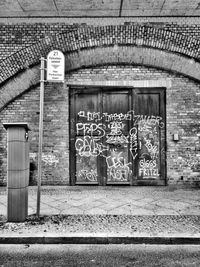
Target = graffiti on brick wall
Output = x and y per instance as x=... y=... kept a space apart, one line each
x=48 y=158
x=191 y=161
x=33 y=156
x=107 y=135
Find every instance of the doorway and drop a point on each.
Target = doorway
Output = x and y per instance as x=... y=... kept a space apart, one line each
x=117 y=136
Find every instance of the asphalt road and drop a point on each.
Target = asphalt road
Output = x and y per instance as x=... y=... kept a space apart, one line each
x=100 y=255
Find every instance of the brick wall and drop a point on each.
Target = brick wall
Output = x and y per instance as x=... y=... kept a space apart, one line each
x=20 y=34
x=23 y=41
x=183 y=157
x=55 y=151
x=24 y=44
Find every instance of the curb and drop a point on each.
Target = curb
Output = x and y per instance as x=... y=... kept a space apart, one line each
x=102 y=240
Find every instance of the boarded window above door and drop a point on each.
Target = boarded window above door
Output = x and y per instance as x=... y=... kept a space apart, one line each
x=117 y=136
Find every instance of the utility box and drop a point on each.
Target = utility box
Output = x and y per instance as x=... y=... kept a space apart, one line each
x=17 y=171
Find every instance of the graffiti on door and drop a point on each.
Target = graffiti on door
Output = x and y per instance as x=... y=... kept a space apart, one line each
x=107 y=135
x=149 y=152
x=148 y=168
x=118 y=167
x=90 y=175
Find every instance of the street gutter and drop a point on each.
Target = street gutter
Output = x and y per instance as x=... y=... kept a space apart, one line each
x=104 y=240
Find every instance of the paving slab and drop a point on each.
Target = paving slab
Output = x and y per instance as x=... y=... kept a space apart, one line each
x=107 y=214
x=135 y=200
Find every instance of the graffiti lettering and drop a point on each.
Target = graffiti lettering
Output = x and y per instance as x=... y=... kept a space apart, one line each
x=105 y=134
x=119 y=116
x=88 y=146
x=148 y=163
x=191 y=162
x=117 y=139
x=90 y=129
x=90 y=175
x=148 y=168
x=149 y=173
x=50 y=159
x=117 y=162
x=118 y=168
x=118 y=174
x=150 y=120
x=133 y=142
x=152 y=149
x=90 y=116
x=129 y=116
x=116 y=127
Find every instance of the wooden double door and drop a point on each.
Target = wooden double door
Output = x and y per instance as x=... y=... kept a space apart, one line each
x=117 y=136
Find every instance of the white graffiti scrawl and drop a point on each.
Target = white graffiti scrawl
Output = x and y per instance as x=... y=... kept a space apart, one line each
x=47 y=158
x=89 y=146
x=148 y=168
x=107 y=135
x=90 y=175
x=50 y=159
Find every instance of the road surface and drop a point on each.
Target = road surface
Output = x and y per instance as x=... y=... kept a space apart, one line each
x=100 y=255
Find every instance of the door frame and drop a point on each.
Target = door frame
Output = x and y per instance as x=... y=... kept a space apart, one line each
x=103 y=87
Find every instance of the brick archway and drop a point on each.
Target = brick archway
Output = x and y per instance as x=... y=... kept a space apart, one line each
x=89 y=37
x=91 y=46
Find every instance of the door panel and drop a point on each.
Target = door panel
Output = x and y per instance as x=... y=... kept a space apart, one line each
x=86 y=159
x=86 y=136
x=149 y=105
x=117 y=136
x=115 y=107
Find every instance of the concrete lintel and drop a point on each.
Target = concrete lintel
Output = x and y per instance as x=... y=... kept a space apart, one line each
x=130 y=83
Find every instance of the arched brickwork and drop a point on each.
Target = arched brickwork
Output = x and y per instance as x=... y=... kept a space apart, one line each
x=90 y=46
x=104 y=56
x=102 y=36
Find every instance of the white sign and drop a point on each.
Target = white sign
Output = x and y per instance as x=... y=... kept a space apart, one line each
x=55 y=66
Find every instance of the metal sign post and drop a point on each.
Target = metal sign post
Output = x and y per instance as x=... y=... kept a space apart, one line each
x=55 y=73
x=42 y=69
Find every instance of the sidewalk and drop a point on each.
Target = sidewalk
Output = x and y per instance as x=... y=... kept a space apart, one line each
x=107 y=214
